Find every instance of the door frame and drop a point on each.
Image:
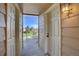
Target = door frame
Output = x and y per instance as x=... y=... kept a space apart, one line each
x=22 y=28
x=5 y=30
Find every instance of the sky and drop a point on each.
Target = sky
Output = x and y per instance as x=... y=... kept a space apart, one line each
x=31 y=21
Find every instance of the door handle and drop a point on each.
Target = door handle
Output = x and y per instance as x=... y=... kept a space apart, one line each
x=47 y=35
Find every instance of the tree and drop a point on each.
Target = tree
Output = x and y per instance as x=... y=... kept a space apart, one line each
x=27 y=29
x=30 y=31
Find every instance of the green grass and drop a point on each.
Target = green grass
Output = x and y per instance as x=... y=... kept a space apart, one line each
x=28 y=34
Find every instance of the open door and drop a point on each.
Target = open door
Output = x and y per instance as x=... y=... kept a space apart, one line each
x=54 y=30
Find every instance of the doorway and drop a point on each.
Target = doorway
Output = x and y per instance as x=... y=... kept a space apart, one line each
x=30 y=36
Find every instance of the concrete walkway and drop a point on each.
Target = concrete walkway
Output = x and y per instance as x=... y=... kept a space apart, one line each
x=31 y=48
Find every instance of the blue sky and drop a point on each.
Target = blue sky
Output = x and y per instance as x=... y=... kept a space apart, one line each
x=31 y=21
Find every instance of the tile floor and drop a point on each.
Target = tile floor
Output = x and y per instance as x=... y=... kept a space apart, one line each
x=31 y=48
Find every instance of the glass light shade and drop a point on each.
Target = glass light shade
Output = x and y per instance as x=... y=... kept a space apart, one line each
x=65 y=9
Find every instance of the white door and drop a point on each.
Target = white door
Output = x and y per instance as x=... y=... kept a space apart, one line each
x=55 y=13
x=46 y=34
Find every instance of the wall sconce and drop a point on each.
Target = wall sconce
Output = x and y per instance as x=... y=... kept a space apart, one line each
x=66 y=9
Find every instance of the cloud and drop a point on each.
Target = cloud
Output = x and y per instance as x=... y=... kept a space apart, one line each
x=34 y=26
x=24 y=26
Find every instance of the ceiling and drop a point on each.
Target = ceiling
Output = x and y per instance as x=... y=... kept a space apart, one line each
x=35 y=8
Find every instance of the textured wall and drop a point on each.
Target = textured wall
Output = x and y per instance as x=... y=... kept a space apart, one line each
x=70 y=32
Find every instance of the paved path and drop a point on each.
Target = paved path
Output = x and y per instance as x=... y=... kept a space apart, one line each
x=31 y=48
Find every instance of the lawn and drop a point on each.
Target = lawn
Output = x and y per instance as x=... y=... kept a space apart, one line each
x=28 y=34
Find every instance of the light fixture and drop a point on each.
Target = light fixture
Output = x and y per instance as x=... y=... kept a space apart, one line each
x=66 y=9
